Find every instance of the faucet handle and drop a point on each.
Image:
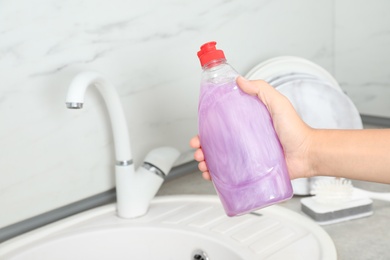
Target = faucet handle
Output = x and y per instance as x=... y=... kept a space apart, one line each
x=135 y=190
x=162 y=158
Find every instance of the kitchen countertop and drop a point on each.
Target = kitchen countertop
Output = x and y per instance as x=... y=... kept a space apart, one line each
x=364 y=238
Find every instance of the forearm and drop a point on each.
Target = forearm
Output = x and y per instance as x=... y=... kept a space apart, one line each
x=353 y=154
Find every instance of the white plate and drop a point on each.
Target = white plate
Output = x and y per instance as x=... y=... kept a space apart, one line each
x=275 y=67
x=320 y=105
x=276 y=81
x=324 y=106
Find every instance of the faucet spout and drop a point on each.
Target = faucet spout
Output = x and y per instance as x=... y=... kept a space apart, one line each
x=75 y=100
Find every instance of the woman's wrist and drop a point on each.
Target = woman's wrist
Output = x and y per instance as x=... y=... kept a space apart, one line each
x=313 y=152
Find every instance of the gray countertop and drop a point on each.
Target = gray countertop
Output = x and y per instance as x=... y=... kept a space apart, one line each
x=365 y=238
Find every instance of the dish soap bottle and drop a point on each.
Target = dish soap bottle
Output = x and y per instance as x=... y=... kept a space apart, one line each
x=242 y=151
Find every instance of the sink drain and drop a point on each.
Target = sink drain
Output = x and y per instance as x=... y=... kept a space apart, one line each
x=199 y=255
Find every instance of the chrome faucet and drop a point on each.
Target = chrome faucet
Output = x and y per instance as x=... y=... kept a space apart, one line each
x=134 y=189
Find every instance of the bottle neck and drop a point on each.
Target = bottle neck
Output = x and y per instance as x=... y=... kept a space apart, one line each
x=218 y=72
x=213 y=64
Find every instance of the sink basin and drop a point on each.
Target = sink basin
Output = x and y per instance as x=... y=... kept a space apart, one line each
x=176 y=227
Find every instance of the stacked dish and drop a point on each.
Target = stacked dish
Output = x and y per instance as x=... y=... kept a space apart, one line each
x=314 y=93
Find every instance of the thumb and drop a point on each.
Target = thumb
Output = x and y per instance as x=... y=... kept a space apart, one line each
x=247 y=86
x=258 y=88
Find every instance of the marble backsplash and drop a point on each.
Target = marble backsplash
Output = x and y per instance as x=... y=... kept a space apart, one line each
x=51 y=156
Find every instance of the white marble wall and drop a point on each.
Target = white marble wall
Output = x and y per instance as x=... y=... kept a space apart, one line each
x=51 y=156
x=362 y=53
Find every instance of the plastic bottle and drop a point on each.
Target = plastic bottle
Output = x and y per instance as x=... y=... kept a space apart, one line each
x=241 y=149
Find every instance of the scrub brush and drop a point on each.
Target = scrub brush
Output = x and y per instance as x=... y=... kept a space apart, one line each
x=344 y=188
x=336 y=200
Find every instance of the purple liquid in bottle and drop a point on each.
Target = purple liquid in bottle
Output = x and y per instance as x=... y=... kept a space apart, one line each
x=241 y=149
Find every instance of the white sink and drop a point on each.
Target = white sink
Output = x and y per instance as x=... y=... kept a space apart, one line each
x=176 y=227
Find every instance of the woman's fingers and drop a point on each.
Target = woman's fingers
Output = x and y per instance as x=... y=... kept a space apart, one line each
x=206 y=176
x=202 y=166
x=198 y=155
x=195 y=142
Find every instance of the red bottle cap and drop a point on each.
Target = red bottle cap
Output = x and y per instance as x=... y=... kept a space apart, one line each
x=208 y=53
